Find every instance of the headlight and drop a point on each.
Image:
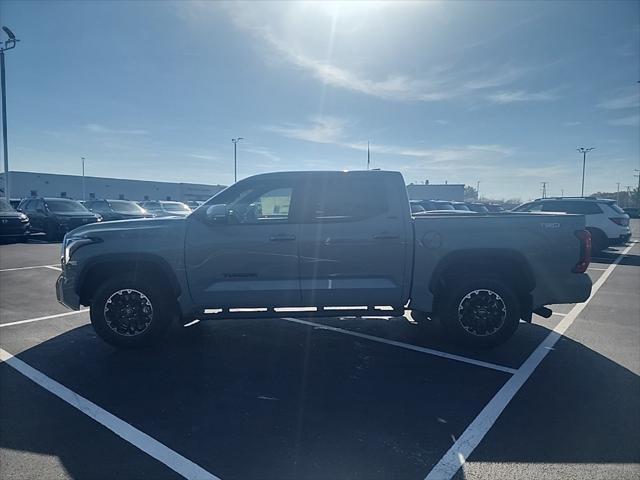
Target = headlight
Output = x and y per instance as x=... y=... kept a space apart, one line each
x=23 y=218
x=98 y=218
x=71 y=244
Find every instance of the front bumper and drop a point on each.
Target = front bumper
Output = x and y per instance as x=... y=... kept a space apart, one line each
x=66 y=293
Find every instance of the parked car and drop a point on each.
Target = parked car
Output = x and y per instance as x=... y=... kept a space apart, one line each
x=117 y=209
x=605 y=220
x=633 y=212
x=416 y=207
x=461 y=206
x=430 y=205
x=493 y=208
x=13 y=224
x=344 y=243
x=166 y=208
x=193 y=204
x=56 y=216
x=477 y=207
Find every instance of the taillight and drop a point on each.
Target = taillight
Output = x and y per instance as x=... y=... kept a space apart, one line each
x=585 y=251
x=622 y=221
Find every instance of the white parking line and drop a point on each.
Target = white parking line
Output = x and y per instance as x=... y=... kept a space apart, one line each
x=30 y=320
x=29 y=268
x=407 y=346
x=456 y=456
x=598 y=269
x=53 y=268
x=135 y=437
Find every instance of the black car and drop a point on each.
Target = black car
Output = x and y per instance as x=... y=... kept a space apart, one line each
x=431 y=205
x=478 y=207
x=461 y=206
x=13 y=224
x=633 y=212
x=56 y=216
x=493 y=208
x=117 y=209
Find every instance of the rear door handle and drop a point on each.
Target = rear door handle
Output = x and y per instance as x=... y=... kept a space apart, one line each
x=385 y=236
x=283 y=237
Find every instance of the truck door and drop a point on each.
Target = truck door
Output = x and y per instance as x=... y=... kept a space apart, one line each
x=243 y=252
x=353 y=241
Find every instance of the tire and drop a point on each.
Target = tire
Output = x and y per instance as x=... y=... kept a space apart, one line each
x=599 y=241
x=149 y=306
x=480 y=312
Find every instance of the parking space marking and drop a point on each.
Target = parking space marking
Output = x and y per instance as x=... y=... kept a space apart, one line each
x=597 y=269
x=457 y=455
x=29 y=268
x=30 y=320
x=407 y=346
x=129 y=433
x=53 y=268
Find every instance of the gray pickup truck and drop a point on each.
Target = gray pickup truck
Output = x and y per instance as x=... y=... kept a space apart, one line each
x=324 y=244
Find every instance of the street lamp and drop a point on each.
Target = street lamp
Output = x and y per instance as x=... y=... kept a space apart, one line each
x=8 y=45
x=235 y=158
x=584 y=152
x=83 y=189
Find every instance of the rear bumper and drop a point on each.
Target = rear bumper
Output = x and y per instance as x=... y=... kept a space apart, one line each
x=66 y=294
x=573 y=288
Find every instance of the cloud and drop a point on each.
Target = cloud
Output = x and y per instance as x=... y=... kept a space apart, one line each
x=522 y=96
x=625 y=98
x=96 y=128
x=200 y=156
x=439 y=83
x=630 y=121
x=332 y=130
x=571 y=124
x=321 y=130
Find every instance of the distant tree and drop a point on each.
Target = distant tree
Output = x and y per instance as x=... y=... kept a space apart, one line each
x=470 y=193
x=625 y=199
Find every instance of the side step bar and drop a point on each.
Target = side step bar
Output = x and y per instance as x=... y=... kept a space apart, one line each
x=304 y=312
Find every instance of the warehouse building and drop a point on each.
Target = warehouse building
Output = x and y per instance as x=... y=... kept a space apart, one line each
x=33 y=184
x=453 y=192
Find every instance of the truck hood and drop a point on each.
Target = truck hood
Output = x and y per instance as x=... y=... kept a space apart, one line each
x=124 y=227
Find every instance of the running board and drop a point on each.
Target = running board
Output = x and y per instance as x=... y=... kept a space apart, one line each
x=302 y=312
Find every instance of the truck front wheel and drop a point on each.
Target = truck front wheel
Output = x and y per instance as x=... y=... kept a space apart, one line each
x=130 y=313
x=480 y=312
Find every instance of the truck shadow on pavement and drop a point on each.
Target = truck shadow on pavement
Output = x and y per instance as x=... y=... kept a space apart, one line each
x=268 y=399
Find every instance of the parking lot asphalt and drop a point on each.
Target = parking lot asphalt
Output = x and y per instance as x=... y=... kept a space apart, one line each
x=321 y=398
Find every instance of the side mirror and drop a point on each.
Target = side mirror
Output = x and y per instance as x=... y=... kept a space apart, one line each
x=217 y=214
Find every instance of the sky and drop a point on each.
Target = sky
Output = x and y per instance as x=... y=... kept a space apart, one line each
x=500 y=93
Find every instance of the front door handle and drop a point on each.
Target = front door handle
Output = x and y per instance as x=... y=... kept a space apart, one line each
x=385 y=236
x=283 y=237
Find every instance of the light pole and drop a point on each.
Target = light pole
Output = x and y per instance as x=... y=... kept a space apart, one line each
x=83 y=189
x=478 y=190
x=584 y=152
x=235 y=158
x=618 y=193
x=8 y=45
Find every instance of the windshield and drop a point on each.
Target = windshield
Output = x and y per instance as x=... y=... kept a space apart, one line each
x=65 y=206
x=176 y=207
x=123 y=206
x=5 y=206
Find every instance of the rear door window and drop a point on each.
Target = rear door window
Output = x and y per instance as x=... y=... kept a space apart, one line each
x=335 y=199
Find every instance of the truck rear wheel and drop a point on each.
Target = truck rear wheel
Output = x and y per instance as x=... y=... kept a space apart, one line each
x=481 y=312
x=131 y=313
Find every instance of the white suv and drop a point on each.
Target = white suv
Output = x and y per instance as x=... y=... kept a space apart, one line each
x=607 y=222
